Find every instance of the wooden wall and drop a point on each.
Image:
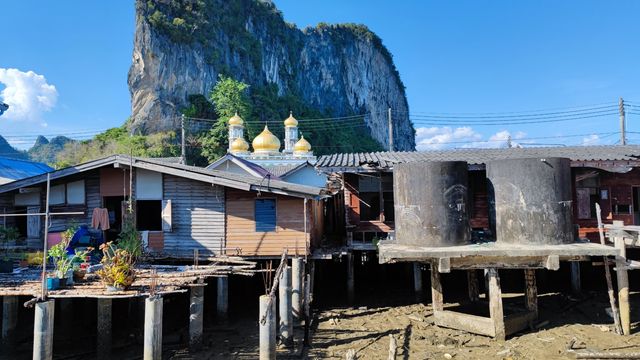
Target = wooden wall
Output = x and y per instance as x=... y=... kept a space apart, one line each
x=197 y=216
x=240 y=226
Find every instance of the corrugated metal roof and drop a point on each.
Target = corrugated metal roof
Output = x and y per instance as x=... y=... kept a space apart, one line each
x=19 y=169
x=382 y=160
x=282 y=169
x=224 y=178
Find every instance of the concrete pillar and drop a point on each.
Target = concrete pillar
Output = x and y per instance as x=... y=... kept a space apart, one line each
x=9 y=318
x=297 y=291
x=222 y=303
x=43 y=330
x=417 y=282
x=351 y=282
x=285 y=308
x=196 y=315
x=267 y=324
x=576 y=285
x=103 y=341
x=153 y=328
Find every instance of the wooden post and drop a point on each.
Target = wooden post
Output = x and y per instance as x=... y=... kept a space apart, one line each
x=222 y=303
x=43 y=330
x=472 y=285
x=417 y=282
x=576 y=284
x=285 y=309
x=153 y=328
x=623 y=286
x=9 y=318
x=495 y=303
x=196 y=314
x=351 y=282
x=437 y=301
x=104 y=340
x=267 y=327
x=297 y=294
x=531 y=291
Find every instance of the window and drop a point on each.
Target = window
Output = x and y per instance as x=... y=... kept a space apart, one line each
x=265 y=215
x=27 y=198
x=149 y=215
x=148 y=185
x=75 y=192
x=57 y=195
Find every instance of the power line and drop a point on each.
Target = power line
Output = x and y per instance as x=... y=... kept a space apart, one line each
x=502 y=123
x=505 y=114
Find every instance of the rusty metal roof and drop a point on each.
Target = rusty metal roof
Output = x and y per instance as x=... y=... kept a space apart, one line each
x=385 y=160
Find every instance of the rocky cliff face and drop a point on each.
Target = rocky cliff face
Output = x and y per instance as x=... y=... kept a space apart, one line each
x=181 y=47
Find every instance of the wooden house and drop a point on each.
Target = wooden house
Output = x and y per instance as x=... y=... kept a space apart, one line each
x=608 y=175
x=177 y=208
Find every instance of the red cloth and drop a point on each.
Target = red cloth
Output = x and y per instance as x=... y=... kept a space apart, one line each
x=100 y=219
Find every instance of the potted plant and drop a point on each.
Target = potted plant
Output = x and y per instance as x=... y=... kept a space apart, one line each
x=117 y=271
x=62 y=261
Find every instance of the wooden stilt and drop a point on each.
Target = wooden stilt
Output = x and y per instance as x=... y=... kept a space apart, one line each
x=531 y=291
x=472 y=285
x=495 y=303
x=576 y=284
x=437 y=300
x=417 y=282
x=623 y=286
x=351 y=283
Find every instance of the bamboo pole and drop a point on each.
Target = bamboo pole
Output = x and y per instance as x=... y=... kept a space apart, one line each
x=607 y=273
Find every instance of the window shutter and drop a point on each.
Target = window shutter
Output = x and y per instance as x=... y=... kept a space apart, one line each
x=265 y=215
x=166 y=215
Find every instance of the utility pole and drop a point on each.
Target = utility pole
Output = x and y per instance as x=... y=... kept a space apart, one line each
x=183 y=156
x=623 y=135
x=390 y=132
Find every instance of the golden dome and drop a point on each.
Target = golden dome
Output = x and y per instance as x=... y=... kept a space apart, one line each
x=291 y=121
x=239 y=145
x=266 y=142
x=236 y=120
x=302 y=146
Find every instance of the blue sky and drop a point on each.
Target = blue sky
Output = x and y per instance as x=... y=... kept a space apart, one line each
x=453 y=56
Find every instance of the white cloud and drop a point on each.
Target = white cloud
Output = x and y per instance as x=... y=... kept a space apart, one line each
x=591 y=140
x=27 y=94
x=440 y=137
x=433 y=138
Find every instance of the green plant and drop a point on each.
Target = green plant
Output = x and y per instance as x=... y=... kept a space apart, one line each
x=62 y=261
x=117 y=266
x=129 y=238
x=9 y=234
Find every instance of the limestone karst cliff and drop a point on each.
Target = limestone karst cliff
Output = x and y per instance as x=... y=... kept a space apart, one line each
x=180 y=47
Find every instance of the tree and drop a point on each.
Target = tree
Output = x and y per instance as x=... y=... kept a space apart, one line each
x=228 y=97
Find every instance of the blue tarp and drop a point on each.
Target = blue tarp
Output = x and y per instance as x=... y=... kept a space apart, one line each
x=20 y=169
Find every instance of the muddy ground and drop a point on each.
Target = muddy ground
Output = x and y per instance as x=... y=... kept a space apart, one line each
x=366 y=330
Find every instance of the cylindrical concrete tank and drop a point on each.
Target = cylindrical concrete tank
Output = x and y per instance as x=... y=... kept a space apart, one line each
x=431 y=207
x=531 y=200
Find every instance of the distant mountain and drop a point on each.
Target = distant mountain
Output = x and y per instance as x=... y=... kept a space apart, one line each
x=46 y=150
x=6 y=150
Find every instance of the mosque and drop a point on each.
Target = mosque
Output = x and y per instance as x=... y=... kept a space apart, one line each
x=295 y=163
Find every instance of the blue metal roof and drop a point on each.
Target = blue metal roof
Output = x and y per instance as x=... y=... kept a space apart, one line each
x=19 y=169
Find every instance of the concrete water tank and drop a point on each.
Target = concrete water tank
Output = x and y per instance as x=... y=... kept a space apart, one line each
x=531 y=200
x=430 y=202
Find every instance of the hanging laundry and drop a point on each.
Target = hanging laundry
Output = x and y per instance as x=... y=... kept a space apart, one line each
x=100 y=219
